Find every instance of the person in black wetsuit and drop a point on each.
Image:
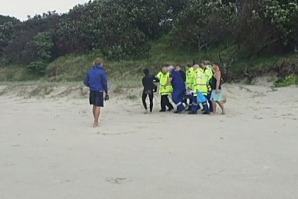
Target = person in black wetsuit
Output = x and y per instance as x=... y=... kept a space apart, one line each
x=149 y=88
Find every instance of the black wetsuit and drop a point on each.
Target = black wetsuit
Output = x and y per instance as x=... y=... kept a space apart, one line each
x=149 y=87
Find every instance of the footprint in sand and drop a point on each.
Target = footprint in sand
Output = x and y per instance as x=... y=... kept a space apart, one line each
x=258 y=118
x=116 y=180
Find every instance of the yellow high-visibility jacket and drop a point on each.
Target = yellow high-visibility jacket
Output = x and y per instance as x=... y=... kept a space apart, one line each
x=209 y=73
x=201 y=83
x=195 y=81
x=189 y=78
x=164 y=78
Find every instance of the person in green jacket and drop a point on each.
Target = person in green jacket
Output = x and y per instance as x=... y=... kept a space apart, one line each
x=208 y=71
x=165 y=90
x=189 y=86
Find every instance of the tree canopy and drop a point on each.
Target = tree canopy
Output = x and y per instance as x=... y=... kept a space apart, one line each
x=123 y=29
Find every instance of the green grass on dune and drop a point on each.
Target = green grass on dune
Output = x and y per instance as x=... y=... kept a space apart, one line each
x=72 y=68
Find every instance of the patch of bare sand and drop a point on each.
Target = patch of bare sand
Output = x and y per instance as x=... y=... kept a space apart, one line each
x=49 y=149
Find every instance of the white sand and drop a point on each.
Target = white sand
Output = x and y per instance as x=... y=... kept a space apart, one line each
x=49 y=150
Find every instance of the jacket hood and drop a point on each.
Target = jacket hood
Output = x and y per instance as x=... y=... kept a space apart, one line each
x=98 y=67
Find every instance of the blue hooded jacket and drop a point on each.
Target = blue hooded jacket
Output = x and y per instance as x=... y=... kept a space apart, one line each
x=96 y=79
x=177 y=80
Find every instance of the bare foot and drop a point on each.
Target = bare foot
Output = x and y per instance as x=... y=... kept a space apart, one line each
x=96 y=124
x=145 y=112
x=224 y=113
x=213 y=114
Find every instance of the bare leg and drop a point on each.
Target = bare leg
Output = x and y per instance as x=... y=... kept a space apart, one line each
x=221 y=104
x=93 y=111
x=96 y=115
x=214 y=108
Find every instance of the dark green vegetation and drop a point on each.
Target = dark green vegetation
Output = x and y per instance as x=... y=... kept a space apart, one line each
x=248 y=37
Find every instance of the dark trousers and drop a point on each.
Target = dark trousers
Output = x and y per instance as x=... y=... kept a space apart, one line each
x=165 y=102
x=144 y=96
x=178 y=97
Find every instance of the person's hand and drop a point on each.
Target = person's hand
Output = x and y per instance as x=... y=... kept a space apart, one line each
x=107 y=97
x=217 y=91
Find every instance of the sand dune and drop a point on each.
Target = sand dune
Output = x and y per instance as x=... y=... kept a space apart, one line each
x=49 y=150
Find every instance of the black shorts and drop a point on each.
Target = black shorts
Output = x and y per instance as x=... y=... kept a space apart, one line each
x=96 y=98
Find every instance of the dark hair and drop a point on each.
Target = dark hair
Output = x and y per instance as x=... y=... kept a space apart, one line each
x=188 y=65
x=217 y=64
x=146 y=71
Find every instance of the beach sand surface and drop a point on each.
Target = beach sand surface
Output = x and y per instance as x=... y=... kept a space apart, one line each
x=49 y=149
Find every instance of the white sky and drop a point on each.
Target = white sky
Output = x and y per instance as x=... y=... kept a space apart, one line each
x=21 y=8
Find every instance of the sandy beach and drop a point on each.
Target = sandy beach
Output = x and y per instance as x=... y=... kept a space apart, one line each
x=49 y=150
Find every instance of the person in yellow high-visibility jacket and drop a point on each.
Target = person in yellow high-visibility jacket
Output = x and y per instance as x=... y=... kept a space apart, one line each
x=209 y=74
x=165 y=90
x=189 y=86
x=200 y=85
x=194 y=90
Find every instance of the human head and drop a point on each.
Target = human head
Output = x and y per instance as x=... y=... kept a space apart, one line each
x=146 y=71
x=216 y=66
x=206 y=63
x=178 y=67
x=196 y=66
x=164 y=70
x=170 y=68
x=98 y=62
x=188 y=66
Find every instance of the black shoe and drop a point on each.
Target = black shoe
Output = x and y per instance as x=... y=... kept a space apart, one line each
x=162 y=111
x=177 y=112
x=170 y=109
x=205 y=113
x=192 y=113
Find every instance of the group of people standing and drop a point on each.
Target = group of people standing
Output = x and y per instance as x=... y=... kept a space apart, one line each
x=198 y=88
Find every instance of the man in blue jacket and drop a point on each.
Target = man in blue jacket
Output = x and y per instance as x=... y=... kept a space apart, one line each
x=178 y=88
x=96 y=79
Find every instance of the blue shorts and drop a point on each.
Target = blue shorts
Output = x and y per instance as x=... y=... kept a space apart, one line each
x=96 y=98
x=216 y=96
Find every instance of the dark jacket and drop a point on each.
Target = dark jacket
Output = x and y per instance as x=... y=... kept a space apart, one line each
x=148 y=82
x=96 y=79
x=183 y=75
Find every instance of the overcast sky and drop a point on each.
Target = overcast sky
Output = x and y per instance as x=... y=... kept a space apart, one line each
x=21 y=8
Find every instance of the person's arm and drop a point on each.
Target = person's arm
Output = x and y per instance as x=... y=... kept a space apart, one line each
x=143 y=82
x=169 y=81
x=217 y=76
x=155 y=79
x=104 y=80
x=86 y=80
x=158 y=75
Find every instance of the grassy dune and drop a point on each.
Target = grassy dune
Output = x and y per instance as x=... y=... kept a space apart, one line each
x=72 y=68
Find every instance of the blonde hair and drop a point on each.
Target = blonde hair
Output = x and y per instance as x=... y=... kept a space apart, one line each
x=171 y=67
x=98 y=61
